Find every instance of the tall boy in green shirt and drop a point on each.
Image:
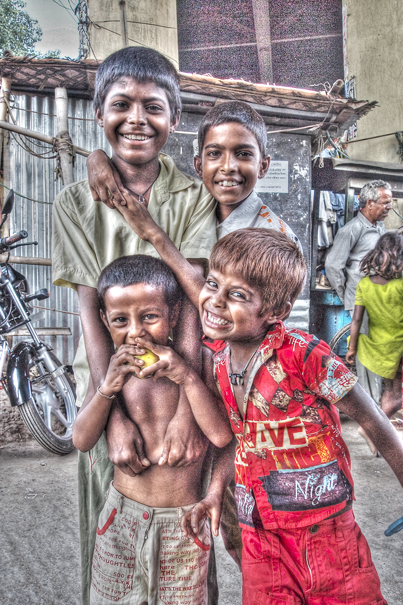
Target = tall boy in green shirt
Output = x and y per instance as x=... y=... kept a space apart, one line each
x=137 y=103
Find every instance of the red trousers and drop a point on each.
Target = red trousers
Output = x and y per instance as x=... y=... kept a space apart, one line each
x=325 y=564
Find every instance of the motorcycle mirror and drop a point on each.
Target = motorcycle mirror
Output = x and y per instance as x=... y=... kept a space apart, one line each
x=8 y=204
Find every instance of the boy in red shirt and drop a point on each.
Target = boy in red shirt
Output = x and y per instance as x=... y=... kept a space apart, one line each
x=294 y=488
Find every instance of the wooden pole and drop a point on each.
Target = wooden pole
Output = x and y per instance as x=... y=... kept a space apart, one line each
x=5 y=143
x=65 y=153
x=26 y=260
x=38 y=136
x=123 y=23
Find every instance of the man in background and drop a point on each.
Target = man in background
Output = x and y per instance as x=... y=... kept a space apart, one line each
x=350 y=245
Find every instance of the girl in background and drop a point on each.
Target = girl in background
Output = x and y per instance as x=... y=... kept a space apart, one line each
x=380 y=293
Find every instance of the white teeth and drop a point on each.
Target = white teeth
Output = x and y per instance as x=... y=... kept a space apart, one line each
x=135 y=137
x=228 y=183
x=216 y=320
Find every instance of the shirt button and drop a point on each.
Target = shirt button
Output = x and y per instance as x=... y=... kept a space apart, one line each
x=145 y=515
x=314 y=529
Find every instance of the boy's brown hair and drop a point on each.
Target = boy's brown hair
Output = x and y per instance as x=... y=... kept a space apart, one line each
x=267 y=260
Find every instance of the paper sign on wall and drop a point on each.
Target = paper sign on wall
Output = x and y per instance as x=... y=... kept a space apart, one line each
x=276 y=179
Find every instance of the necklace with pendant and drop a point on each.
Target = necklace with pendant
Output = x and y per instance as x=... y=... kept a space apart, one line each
x=140 y=196
x=237 y=379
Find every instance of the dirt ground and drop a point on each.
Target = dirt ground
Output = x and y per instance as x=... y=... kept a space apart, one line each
x=39 y=563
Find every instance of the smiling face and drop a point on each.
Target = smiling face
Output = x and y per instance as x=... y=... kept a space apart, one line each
x=138 y=310
x=230 y=164
x=137 y=121
x=231 y=309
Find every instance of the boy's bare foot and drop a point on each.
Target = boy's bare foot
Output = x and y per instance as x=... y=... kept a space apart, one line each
x=371 y=445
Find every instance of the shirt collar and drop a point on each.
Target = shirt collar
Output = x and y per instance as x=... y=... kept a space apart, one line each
x=368 y=223
x=170 y=179
x=243 y=214
x=273 y=340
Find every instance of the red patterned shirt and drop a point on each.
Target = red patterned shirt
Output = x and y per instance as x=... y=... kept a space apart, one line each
x=292 y=465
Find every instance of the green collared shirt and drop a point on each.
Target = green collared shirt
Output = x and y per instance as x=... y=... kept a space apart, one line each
x=88 y=235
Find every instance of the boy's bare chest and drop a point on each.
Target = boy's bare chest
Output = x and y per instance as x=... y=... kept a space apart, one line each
x=151 y=404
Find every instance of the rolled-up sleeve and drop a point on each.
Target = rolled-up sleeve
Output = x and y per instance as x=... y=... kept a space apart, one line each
x=73 y=258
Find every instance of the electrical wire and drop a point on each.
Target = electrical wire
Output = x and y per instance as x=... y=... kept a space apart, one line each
x=130 y=39
x=25 y=197
x=52 y=115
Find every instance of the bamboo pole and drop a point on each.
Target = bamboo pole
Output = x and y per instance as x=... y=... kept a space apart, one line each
x=5 y=143
x=38 y=136
x=65 y=154
x=26 y=260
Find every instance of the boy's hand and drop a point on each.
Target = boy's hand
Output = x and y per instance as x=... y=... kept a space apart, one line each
x=210 y=506
x=184 y=442
x=138 y=217
x=121 y=365
x=125 y=443
x=104 y=180
x=350 y=356
x=170 y=364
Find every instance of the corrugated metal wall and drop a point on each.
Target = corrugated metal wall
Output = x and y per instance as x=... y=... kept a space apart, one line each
x=34 y=177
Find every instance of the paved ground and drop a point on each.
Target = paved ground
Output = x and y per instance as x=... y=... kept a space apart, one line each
x=39 y=560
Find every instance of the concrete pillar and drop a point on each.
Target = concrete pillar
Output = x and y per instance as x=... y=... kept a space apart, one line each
x=261 y=16
x=374 y=53
x=149 y=23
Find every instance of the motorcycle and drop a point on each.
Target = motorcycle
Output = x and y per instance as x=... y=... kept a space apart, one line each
x=31 y=375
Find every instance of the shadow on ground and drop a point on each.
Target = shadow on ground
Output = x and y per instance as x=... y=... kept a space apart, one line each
x=39 y=517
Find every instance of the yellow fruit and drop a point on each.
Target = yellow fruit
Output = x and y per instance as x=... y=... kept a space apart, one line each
x=149 y=358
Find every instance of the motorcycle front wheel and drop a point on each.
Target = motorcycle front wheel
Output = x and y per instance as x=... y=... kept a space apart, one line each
x=50 y=413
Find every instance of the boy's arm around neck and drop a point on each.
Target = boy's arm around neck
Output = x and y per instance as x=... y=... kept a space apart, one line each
x=360 y=407
x=142 y=223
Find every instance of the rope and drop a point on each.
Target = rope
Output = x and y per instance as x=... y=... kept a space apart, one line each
x=20 y=141
x=63 y=142
x=27 y=198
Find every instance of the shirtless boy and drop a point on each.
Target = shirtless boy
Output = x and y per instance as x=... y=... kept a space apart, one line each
x=140 y=554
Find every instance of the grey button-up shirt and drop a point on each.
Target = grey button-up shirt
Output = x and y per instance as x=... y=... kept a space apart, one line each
x=358 y=237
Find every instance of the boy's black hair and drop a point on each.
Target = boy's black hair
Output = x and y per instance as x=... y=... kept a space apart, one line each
x=139 y=269
x=234 y=111
x=144 y=65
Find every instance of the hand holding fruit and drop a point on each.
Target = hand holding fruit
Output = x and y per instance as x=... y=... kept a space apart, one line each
x=169 y=363
x=123 y=364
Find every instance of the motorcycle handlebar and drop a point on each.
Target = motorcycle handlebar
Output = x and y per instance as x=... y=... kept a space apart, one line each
x=5 y=242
